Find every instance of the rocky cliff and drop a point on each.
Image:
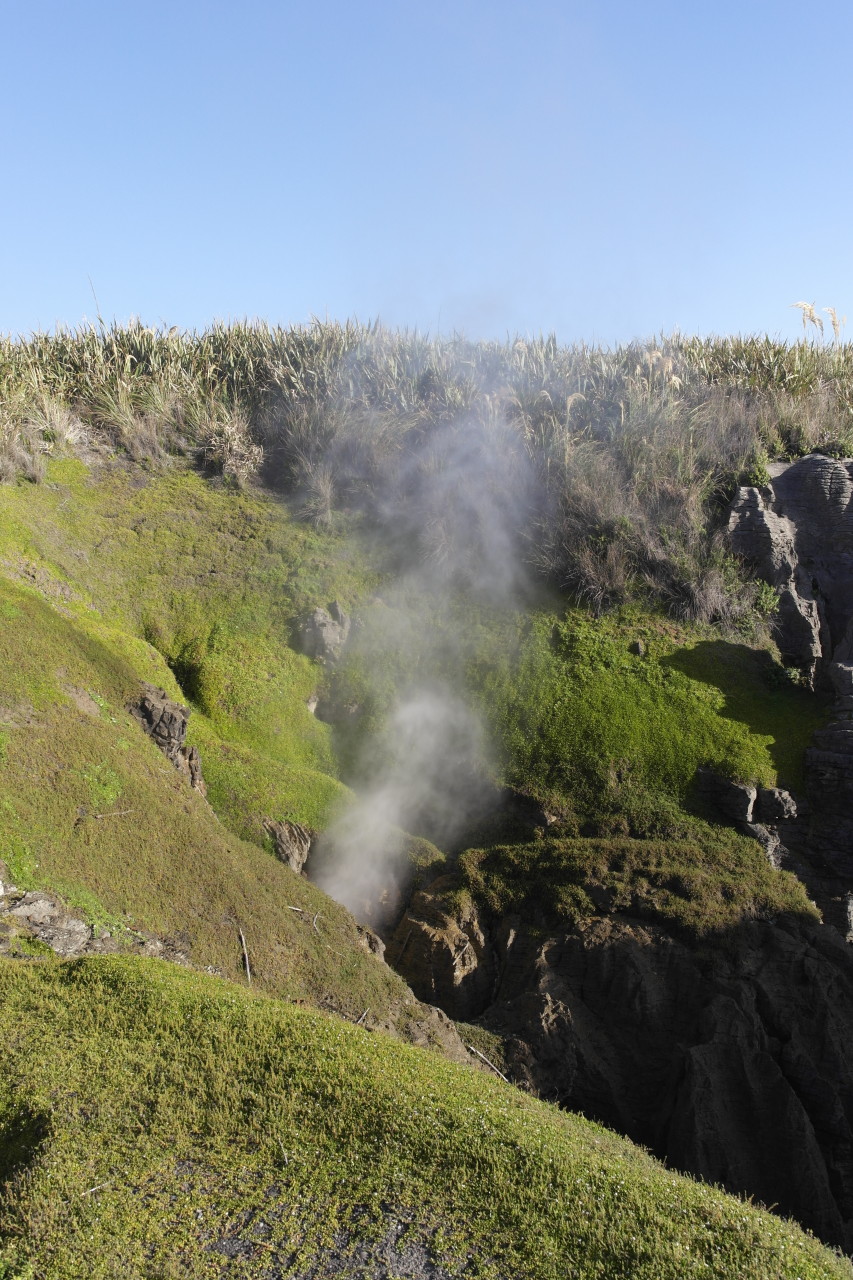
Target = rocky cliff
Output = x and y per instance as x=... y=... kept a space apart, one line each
x=727 y=1054
x=728 y=1058
x=797 y=533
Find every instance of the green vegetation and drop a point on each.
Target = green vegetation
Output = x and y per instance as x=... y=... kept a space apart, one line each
x=699 y=887
x=146 y=1112
x=631 y=451
x=618 y=734
x=91 y=809
x=609 y=738
x=152 y=1118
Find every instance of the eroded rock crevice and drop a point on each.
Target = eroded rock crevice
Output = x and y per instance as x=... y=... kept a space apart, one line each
x=730 y=1060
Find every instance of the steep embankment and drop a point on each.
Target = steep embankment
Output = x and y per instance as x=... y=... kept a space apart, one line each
x=113 y=576
x=160 y=1123
x=687 y=992
x=686 y=997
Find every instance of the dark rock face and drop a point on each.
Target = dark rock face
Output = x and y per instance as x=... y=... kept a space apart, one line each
x=734 y=801
x=166 y=722
x=772 y=804
x=829 y=774
x=730 y=1061
x=292 y=842
x=324 y=632
x=443 y=952
x=797 y=532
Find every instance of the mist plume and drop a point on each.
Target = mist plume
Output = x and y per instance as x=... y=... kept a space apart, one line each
x=449 y=512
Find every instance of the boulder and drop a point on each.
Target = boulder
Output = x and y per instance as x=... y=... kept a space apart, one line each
x=166 y=722
x=323 y=633
x=773 y=804
x=733 y=800
x=292 y=842
x=370 y=941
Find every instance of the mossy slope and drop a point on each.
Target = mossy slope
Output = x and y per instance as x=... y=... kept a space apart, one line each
x=91 y=809
x=160 y=1123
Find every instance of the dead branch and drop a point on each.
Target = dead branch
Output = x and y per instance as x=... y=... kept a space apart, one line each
x=245 y=955
x=471 y=1049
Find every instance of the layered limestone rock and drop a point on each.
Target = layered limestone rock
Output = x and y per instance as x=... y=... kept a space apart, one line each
x=729 y=1061
x=440 y=947
x=166 y=722
x=797 y=533
x=829 y=774
x=292 y=842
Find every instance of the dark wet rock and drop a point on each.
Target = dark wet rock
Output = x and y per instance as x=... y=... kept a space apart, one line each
x=829 y=779
x=166 y=722
x=292 y=842
x=773 y=804
x=331 y=710
x=324 y=632
x=734 y=801
x=730 y=1061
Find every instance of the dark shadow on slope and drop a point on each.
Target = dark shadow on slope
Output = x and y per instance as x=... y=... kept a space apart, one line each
x=759 y=694
x=23 y=1132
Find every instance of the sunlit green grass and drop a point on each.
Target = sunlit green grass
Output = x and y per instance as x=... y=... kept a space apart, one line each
x=149 y=1114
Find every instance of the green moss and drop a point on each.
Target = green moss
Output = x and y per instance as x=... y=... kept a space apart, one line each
x=583 y=718
x=701 y=887
x=210 y=1115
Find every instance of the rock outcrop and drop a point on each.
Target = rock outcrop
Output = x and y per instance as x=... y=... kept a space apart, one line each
x=730 y=1061
x=36 y=920
x=829 y=776
x=442 y=950
x=292 y=842
x=324 y=632
x=797 y=533
x=166 y=722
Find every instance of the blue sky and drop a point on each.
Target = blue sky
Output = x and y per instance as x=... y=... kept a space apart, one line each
x=603 y=171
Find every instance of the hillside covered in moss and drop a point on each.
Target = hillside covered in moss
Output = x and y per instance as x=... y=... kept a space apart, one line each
x=547 y=645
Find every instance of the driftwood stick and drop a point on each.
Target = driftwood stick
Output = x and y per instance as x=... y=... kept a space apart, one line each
x=118 y=813
x=363 y=1016
x=245 y=955
x=299 y=909
x=314 y=923
x=471 y=1049
x=403 y=948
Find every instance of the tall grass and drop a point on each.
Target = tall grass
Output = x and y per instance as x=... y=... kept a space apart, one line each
x=635 y=449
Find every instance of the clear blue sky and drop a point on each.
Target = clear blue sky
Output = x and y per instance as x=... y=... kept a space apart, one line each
x=603 y=170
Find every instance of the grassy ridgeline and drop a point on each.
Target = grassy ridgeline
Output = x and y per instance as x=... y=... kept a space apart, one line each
x=630 y=452
x=158 y=1123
